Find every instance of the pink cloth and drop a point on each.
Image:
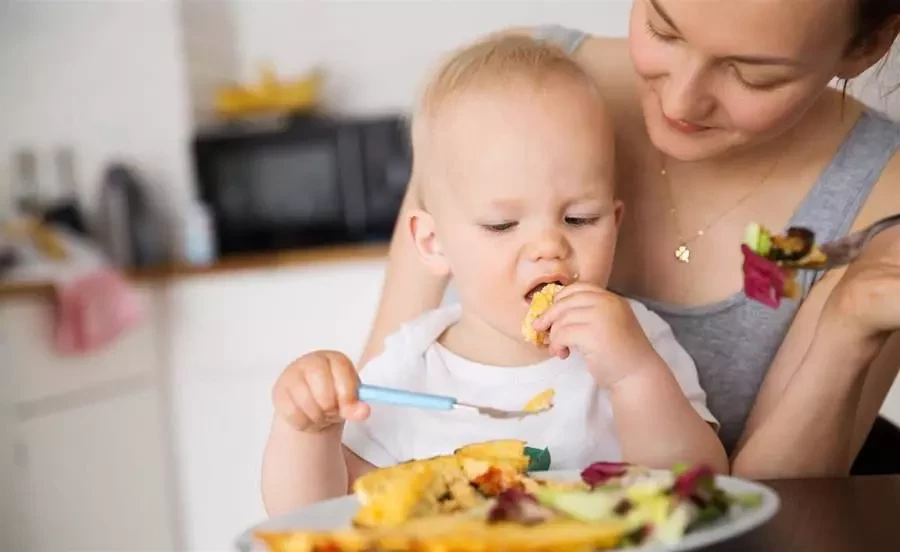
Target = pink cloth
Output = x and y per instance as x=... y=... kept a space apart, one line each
x=93 y=309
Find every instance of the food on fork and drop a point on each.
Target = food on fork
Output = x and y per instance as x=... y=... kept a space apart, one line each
x=541 y=299
x=771 y=262
x=613 y=505
x=797 y=247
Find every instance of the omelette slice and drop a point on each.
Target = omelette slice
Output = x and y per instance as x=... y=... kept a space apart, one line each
x=456 y=533
x=541 y=301
x=442 y=484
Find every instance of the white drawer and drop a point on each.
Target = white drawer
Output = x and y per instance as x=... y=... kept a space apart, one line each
x=38 y=372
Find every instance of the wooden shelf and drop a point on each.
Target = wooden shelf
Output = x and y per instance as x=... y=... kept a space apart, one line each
x=255 y=261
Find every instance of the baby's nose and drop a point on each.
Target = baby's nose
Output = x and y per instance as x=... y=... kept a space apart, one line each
x=550 y=245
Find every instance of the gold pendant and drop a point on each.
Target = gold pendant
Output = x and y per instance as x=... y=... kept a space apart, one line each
x=683 y=253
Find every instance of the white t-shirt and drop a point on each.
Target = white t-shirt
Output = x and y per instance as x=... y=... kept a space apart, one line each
x=578 y=430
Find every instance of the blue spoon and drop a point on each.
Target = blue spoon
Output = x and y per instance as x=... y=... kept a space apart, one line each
x=399 y=397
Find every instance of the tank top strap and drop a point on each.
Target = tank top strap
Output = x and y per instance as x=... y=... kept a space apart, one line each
x=834 y=201
x=567 y=38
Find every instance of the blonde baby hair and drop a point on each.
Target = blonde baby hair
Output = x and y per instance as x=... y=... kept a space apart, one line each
x=493 y=62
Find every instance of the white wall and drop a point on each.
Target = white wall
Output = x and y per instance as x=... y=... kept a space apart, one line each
x=376 y=52
x=128 y=78
x=107 y=78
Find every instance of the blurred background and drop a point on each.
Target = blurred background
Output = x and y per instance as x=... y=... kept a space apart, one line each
x=161 y=262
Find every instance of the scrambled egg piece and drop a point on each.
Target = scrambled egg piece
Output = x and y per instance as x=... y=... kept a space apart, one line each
x=541 y=401
x=443 y=484
x=401 y=510
x=540 y=302
x=455 y=533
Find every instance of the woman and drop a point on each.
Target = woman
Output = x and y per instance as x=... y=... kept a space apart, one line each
x=724 y=116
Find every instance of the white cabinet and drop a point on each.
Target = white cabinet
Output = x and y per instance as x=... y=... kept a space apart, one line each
x=40 y=373
x=95 y=477
x=231 y=335
x=11 y=535
x=84 y=443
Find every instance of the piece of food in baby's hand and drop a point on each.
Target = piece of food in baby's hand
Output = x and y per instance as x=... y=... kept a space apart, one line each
x=541 y=401
x=540 y=302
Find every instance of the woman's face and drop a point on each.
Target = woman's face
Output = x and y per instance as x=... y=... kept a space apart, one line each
x=721 y=75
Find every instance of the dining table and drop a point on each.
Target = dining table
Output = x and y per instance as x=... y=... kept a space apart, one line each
x=839 y=514
x=856 y=513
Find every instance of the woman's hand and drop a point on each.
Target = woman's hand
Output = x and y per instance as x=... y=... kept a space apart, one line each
x=867 y=298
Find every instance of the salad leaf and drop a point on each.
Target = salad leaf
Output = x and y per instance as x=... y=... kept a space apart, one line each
x=582 y=505
x=758 y=239
x=747 y=500
x=601 y=472
x=680 y=468
x=763 y=279
x=637 y=536
x=538 y=460
x=518 y=506
x=697 y=482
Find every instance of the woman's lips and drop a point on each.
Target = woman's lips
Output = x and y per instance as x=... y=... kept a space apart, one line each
x=685 y=127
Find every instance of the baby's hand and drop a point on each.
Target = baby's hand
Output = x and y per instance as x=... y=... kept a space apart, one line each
x=318 y=390
x=602 y=327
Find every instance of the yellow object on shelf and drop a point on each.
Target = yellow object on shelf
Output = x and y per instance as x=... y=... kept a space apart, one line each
x=270 y=95
x=44 y=238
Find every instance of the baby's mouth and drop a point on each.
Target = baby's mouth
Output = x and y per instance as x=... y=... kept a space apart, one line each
x=530 y=295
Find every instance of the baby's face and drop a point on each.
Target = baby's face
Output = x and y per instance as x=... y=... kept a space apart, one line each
x=522 y=195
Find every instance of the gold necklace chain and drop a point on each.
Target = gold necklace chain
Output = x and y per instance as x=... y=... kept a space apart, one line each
x=683 y=250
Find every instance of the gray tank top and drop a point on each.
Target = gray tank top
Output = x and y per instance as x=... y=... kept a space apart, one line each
x=733 y=341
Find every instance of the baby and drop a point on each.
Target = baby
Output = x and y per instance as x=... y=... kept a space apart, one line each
x=513 y=159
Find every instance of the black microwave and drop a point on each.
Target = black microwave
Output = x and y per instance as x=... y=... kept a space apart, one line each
x=303 y=182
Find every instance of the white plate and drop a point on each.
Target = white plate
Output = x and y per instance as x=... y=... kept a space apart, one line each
x=337 y=513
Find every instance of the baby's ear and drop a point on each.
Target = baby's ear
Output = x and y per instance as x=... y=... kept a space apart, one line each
x=422 y=230
x=619 y=210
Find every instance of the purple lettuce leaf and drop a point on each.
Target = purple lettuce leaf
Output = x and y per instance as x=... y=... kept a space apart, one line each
x=599 y=473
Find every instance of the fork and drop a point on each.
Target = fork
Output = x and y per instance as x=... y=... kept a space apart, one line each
x=400 y=397
x=843 y=251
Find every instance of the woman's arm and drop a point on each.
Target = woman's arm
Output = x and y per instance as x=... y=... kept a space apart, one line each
x=409 y=289
x=836 y=365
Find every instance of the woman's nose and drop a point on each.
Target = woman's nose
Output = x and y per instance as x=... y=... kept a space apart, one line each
x=685 y=95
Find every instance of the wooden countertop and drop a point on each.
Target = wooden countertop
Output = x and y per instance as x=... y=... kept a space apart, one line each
x=255 y=261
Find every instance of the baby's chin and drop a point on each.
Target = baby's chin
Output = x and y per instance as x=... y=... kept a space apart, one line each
x=491 y=343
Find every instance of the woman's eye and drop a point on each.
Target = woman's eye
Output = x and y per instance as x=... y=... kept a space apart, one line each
x=581 y=221
x=753 y=85
x=502 y=227
x=659 y=35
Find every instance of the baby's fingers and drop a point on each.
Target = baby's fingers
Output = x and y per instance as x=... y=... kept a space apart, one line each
x=573 y=299
x=346 y=385
x=355 y=412
x=321 y=385
x=288 y=410
x=307 y=403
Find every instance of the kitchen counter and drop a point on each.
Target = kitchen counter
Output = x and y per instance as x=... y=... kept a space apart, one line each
x=225 y=265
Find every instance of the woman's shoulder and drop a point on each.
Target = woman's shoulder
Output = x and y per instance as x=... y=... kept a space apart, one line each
x=874 y=142
x=605 y=58
x=608 y=61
